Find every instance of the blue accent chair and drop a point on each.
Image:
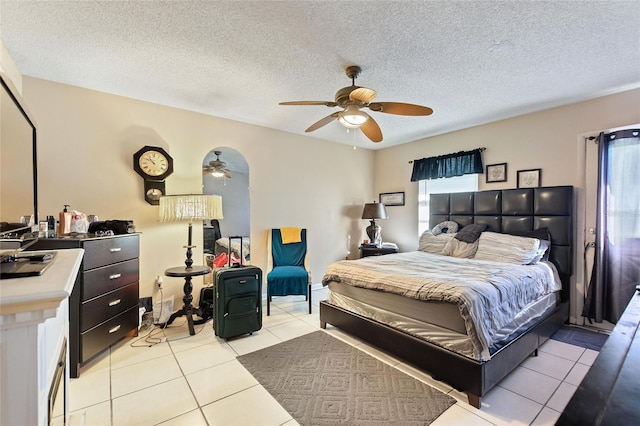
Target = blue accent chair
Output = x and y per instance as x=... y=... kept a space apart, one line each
x=287 y=268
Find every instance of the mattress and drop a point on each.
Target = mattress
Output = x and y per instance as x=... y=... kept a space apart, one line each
x=489 y=296
x=432 y=321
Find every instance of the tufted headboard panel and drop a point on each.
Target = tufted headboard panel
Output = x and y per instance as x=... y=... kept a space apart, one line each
x=513 y=211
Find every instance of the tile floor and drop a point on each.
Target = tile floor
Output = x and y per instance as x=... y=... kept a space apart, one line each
x=196 y=380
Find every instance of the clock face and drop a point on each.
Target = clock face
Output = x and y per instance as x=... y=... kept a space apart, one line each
x=153 y=163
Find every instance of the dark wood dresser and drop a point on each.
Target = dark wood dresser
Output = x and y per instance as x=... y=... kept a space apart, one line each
x=610 y=392
x=103 y=307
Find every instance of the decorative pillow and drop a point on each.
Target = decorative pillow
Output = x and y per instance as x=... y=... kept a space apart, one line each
x=471 y=233
x=446 y=227
x=457 y=248
x=507 y=248
x=433 y=243
x=544 y=236
x=543 y=252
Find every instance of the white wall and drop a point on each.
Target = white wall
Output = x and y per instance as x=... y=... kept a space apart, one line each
x=550 y=140
x=9 y=68
x=86 y=141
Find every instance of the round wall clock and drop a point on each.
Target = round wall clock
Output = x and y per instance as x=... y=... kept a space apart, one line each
x=153 y=163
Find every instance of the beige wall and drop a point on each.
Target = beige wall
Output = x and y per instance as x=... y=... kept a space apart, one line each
x=551 y=140
x=86 y=141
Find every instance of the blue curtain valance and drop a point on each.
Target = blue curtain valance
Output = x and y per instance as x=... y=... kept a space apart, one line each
x=456 y=164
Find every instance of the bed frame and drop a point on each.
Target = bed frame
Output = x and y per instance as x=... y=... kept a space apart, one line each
x=507 y=211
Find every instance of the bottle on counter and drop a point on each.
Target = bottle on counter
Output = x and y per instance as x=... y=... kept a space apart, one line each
x=51 y=227
x=64 y=226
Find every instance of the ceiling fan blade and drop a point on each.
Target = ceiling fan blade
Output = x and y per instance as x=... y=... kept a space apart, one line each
x=327 y=103
x=362 y=94
x=227 y=175
x=328 y=119
x=371 y=130
x=400 y=108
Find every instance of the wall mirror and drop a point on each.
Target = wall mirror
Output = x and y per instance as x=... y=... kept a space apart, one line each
x=18 y=178
x=225 y=172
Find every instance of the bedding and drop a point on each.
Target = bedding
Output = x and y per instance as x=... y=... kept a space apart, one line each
x=507 y=248
x=489 y=295
x=433 y=243
x=222 y=246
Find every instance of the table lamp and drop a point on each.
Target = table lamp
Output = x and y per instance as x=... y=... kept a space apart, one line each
x=178 y=208
x=374 y=211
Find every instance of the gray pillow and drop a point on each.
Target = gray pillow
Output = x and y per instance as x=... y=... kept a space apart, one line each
x=471 y=233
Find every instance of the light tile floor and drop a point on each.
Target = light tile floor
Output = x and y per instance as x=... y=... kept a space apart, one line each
x=171 y=378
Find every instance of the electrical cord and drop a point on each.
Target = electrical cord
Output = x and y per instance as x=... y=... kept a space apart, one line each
x=152 y=339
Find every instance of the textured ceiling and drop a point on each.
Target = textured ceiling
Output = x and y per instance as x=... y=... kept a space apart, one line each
x=472 y=62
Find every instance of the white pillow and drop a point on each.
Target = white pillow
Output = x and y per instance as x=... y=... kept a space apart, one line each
x=507 y=248
x=457 y=248
x=542 y=250
x=433 y=243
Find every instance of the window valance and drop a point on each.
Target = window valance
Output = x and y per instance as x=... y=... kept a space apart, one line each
x=456 y=164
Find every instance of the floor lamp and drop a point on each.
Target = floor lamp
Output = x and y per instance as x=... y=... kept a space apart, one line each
x=178 y=208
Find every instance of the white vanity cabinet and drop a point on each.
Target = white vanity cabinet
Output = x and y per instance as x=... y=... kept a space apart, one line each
x=34 y=328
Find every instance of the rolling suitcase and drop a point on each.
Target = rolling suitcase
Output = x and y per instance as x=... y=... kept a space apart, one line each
x=237 y=299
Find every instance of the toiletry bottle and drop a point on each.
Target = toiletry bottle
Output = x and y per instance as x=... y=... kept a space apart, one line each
x=51 y=221
x=64 y=227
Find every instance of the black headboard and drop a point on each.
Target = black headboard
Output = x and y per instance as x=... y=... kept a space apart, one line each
x=513 y=211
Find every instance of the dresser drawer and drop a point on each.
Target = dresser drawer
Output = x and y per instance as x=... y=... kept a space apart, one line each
x=100 y=337
x=98 y=281
x=104 y=251
x=108 y=305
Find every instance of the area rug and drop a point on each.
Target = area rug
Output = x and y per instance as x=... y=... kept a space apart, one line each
x=580 y=337
x=321 y=380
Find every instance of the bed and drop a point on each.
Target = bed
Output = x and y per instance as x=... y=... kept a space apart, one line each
x=222 y=246
x=408 y=313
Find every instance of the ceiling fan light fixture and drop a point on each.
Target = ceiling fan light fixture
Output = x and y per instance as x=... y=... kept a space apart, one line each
x=217 y=173
x=352 y=117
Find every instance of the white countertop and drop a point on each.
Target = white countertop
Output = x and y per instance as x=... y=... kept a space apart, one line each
x=45 y=292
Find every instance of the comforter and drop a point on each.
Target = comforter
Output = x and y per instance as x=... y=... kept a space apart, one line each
x=488 y=294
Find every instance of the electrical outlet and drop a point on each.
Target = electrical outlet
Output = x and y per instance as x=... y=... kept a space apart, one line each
x=159 y=281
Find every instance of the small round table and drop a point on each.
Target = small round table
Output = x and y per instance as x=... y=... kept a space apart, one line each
x=187 y=309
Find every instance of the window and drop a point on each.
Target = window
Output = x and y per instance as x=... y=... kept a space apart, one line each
x=464 y=183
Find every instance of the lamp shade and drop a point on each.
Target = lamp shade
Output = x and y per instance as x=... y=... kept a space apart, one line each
x=176 y=208
x=374 y=211
x=352 y=117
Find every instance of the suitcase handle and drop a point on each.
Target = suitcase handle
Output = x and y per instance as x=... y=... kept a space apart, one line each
x=235 y=265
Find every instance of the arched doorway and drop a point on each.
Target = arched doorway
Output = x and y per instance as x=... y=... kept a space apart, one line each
x=226 y=173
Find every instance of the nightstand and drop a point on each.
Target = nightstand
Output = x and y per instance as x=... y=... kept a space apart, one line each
x=376 y=251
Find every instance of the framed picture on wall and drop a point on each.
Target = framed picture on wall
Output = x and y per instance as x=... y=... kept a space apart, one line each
x=392 y=198
x=496 y=172
x=529 y=178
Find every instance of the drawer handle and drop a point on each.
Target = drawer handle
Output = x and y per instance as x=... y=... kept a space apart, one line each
x=114 y=276
x=115 y=302
x=115 y=249
x=114 y=329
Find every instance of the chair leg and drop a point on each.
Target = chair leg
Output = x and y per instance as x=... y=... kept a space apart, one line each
x=268 y=305
x=309 y=293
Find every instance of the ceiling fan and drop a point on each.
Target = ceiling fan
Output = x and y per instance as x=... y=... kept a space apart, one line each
x=352 y=99
x=217 y=168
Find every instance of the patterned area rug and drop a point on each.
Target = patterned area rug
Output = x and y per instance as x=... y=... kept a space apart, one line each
x=321 y=380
